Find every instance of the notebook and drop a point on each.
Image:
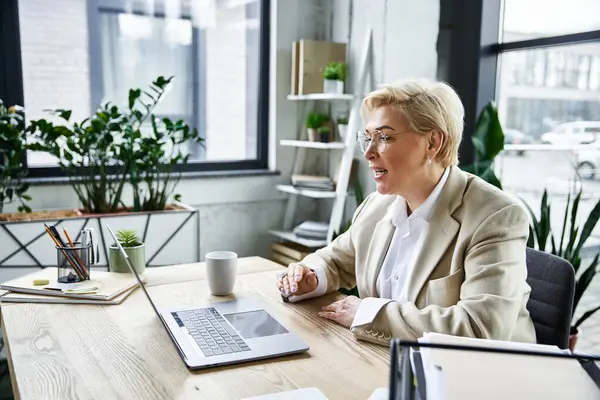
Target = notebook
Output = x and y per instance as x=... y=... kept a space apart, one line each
x=109 y=285
x=13 y=297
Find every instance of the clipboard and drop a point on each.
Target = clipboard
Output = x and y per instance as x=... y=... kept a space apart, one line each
x=407 y=376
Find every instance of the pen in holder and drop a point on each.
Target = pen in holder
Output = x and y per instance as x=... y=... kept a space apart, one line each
x=73 y=263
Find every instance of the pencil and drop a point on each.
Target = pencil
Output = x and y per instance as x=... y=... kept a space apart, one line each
x=55 y=240
x=81 y=263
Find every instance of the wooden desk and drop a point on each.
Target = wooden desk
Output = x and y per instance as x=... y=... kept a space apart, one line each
x=123 y=352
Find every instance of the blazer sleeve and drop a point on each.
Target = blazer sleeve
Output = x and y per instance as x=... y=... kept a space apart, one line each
x=335 y=263
x=490 y=296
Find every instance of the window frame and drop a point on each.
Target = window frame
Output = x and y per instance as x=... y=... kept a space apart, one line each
x=469 y=37
x=11 y=85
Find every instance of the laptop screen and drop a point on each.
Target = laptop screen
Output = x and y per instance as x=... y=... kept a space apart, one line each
x=252 y=324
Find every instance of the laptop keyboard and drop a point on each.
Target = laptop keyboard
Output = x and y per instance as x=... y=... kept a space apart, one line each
x=211 y=332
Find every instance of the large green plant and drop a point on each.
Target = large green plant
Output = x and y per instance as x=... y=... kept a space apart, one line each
x=118 y=145
x=12 y=155
x=162 y=146
x=568 y=244
x=488 y=142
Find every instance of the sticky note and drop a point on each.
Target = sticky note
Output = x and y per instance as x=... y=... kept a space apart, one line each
x=40 y=282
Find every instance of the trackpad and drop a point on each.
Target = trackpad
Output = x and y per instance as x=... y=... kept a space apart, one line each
x=252 y=324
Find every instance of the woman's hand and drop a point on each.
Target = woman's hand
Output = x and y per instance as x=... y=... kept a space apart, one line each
x=297 y=280
x=342 y=311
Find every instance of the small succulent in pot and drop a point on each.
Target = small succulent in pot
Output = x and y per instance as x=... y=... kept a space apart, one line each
x=135 y=249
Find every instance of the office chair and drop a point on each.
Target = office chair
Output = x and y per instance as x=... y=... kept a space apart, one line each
x=552 y=281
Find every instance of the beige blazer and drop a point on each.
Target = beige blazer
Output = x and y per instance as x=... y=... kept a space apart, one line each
x=468 y=280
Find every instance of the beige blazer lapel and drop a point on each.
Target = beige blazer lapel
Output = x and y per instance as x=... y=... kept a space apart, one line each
x=378 y=248
x=439 y=235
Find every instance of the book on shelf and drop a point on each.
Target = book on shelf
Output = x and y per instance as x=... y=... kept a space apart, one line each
x=103 y=286
x=312 y=230
x=309 y=61
x=313 y=182
x=282 y=259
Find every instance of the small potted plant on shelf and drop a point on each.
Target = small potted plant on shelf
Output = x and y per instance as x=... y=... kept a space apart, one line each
x=335 y=76
x=324 y=133
x=314 y=121
x=135 y=249
x=342 y=125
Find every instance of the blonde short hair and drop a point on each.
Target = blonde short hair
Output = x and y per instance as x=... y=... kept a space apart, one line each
x=426 y=105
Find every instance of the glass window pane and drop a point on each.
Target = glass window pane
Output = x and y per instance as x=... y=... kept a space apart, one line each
x=563 y=112
x=211 y=48
x=529 y=19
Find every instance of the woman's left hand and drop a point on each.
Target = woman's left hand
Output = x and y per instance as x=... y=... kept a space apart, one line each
x=342 y=311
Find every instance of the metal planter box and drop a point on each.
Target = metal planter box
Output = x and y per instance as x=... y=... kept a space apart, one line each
x=172 y=236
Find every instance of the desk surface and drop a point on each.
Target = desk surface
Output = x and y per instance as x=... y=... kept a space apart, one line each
x=61 y=351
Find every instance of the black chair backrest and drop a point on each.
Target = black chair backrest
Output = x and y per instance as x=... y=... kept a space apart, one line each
x=552 y=281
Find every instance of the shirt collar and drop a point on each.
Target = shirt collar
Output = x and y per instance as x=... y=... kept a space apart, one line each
x=398 y=211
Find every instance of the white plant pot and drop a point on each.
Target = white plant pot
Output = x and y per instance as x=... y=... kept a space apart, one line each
x=333 y=86
x=313 y=136
x=342 y=130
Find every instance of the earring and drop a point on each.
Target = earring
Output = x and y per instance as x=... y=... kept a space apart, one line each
x=429 y=160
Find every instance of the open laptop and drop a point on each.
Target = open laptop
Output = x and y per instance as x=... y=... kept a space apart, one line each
x=223 y=332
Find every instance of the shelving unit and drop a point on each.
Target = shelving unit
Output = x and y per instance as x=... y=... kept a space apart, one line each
x=321 y=96
x=312 y=145
x=340 y=193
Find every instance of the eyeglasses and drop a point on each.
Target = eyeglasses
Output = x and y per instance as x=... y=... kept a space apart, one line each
x=378 y=140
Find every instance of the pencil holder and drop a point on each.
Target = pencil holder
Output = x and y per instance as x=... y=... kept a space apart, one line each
x=73 y=263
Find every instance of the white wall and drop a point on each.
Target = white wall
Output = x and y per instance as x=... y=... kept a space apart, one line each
x=236 y=212
x=405 y=35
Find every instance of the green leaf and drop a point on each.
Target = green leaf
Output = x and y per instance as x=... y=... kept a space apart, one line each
x=584 y=281
x=134 y=94
x=26 y=197
x=589 y=226
x=531 y=238
x=488 y=133
x=585 y=316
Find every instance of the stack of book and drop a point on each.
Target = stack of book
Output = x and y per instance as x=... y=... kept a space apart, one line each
x=312 y=230
x=312 y=182
x=287 y=253
x=104 y=288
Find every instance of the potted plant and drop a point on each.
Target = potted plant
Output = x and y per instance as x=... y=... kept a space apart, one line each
x=342 y=125
x=135 y=249
x=324 y=133
x=12 y=154
x=102 y=153
x=118 y=149
x=568 y=246
x=313 y=122
x=334 y=75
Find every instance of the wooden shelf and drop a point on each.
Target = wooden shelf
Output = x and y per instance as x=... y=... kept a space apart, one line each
x=315 y=194
x=321 y=96
x=290 y=236
x=312 y=145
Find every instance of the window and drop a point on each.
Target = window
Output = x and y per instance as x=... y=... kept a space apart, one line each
x=529 y=19
x=548 y=88
x=217 y=52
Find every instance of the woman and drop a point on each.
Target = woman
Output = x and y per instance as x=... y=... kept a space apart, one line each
x=434 y=249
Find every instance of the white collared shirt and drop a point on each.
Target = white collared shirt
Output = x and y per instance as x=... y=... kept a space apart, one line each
x=405 y=246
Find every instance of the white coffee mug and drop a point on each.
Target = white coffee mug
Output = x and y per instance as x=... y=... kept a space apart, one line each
x=221 y=271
